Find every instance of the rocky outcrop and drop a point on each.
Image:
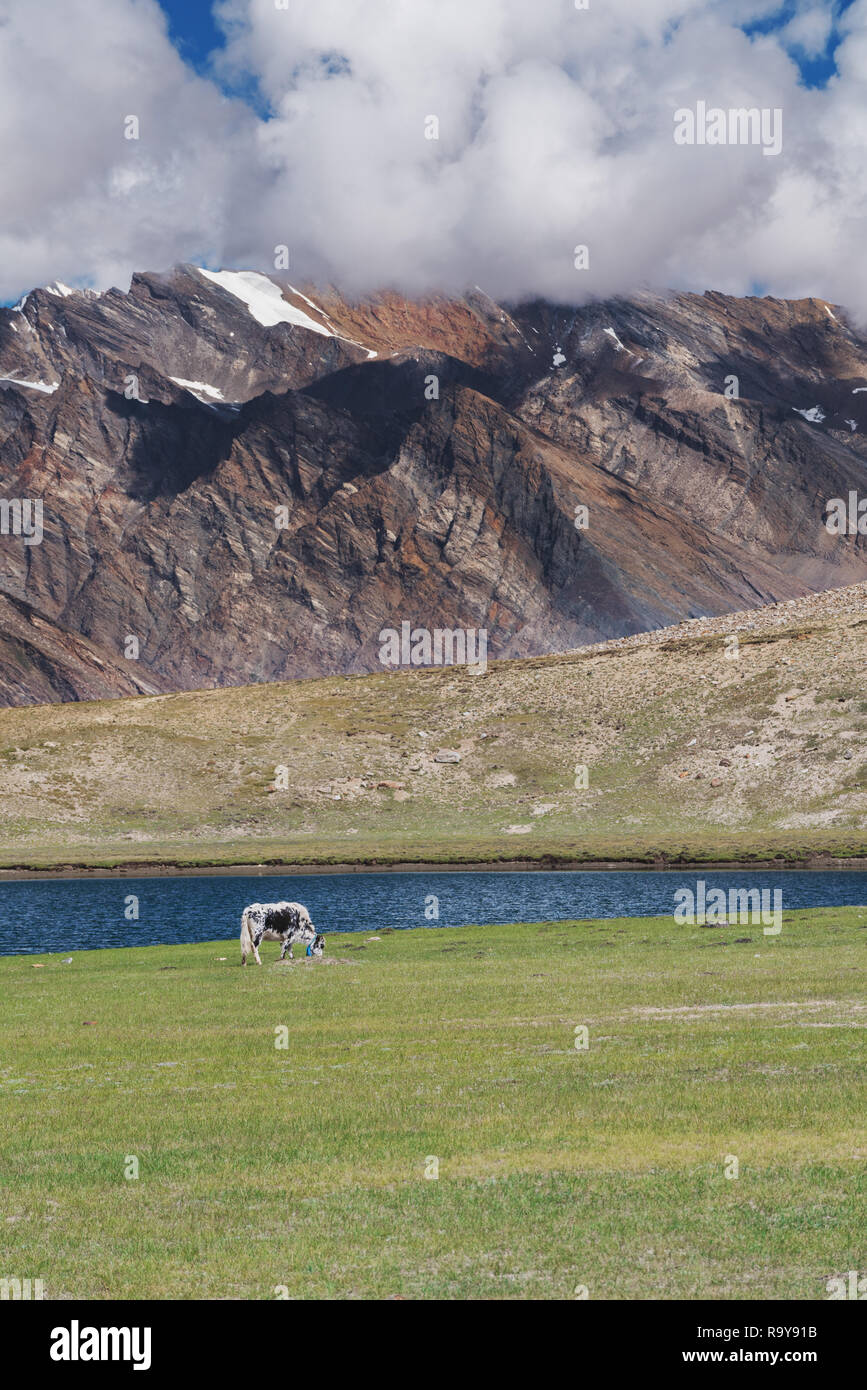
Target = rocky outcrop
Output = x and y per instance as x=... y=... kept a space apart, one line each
x=241 y=482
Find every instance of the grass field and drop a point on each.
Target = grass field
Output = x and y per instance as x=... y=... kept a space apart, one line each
x=303 y=1169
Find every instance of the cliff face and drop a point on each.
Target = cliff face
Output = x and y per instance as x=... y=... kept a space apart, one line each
x=253 y=483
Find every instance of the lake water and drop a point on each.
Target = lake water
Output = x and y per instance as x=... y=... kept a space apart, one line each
x=66 y=915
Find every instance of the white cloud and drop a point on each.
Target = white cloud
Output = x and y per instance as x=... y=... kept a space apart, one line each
x=810 y=30
x=78 y=200
x=556 y=129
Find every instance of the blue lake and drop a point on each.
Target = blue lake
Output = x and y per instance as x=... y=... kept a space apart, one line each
x=43 y=915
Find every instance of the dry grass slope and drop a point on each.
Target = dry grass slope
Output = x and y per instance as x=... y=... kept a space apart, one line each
x=689 y=754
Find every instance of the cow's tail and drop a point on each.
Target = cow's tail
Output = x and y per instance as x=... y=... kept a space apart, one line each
x=246 y=936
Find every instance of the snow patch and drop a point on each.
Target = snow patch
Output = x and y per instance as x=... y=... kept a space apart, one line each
x=198 y=388
x=858 y=390
x=59 y=289
x=46 y=387
x=265 y=301
x=815 y=414
x=618 y=346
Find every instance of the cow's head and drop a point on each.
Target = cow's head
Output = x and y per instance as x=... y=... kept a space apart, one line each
x=317 y=945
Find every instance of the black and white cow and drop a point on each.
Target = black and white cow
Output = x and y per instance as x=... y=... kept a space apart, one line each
x=286 y=922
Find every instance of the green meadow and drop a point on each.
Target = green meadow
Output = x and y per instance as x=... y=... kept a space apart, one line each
x=431 y=1129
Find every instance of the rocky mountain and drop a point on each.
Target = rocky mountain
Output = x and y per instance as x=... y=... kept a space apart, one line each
x=241 y=483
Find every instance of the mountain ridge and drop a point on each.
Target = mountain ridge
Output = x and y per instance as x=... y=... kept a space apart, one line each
x=165 y=427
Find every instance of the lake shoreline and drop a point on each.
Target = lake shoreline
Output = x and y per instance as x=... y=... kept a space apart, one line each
x=810 y=863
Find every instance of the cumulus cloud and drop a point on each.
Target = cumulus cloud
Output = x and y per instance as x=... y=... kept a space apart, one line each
x=78 y=200
x=810 y=30
x=555 y=129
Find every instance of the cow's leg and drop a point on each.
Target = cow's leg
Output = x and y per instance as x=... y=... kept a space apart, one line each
x=285 y=947
x=256 y=952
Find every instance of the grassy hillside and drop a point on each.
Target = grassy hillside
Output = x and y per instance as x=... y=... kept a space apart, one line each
x=687 y=753
x=304 y=1169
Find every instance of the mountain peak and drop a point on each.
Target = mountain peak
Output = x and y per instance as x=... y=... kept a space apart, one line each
x=253 y=479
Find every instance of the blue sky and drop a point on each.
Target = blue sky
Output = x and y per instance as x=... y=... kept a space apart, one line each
x=815 y=71
x=193 y=30
x=195 y=35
